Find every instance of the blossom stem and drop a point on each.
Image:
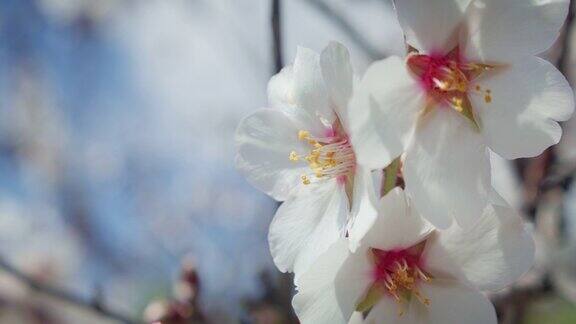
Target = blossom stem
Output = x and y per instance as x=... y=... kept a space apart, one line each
x=390 y=175
x=371 y=298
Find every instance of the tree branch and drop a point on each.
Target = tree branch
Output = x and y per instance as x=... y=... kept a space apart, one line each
x=355 y=35
x=276 y=24
x=94 y=305
x=511 y=307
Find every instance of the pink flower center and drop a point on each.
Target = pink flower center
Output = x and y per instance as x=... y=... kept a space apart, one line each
x=387 y=263
x=439 y=75
x=399 y=272
x=447 y=80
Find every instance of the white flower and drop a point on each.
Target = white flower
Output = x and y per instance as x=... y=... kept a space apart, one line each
x=299 y=152
x=405 y=271
x=471 y=81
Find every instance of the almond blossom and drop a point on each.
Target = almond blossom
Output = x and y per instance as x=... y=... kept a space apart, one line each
x=470 y=82
x=406 y=271
x=299 y=152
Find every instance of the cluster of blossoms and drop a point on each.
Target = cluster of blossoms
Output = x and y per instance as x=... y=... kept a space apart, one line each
x=368 y=248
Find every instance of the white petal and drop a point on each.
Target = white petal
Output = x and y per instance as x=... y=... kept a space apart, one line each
x=338 y=77
x=527 y=100
x=315 y=301
x=280 y=88
x=490 y=256
x=388 y=311
x=497 y=199
x=308 y=88
x=447 y=169
x=306 y=224
x=453 y=303
x=383 y=111
x=353 y=280
x=506 y=181
x=364 y=205
x=264 y=141
x=397 y=225
x=329 y=291
x=431 y=26
x=501 y=31
x=450 y=303
x=357 y=318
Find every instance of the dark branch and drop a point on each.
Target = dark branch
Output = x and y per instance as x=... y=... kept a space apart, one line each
x=347 y=28
x=563 y=180
x=94 y=305
x=276 y=23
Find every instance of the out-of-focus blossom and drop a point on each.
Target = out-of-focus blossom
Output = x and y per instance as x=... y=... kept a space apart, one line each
x=24 y=236
x=184 y=308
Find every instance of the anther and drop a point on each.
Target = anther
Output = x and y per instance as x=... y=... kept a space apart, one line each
x=294 y=156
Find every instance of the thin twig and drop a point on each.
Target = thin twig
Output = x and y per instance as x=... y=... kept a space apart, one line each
x=551 y=181
x=94 y=305
x=276 y=24
x=347 y=28
x=563 y=60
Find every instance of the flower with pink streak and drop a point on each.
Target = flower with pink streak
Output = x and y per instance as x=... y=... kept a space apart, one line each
x=406 y=271
x=470 y=82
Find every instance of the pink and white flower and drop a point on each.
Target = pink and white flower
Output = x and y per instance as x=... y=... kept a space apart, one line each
x=406 y=271
x=470 y=82
x=299 y=152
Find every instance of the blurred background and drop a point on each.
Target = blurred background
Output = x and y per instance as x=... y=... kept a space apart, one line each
x=119 y=201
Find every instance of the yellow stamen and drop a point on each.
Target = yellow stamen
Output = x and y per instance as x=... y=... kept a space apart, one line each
x=422 y=299
x=458 y=104
x=399 y=280
x=302 y=135
x=329 y=157
x=453 y=79
x=402 y=282
x=294 y=156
